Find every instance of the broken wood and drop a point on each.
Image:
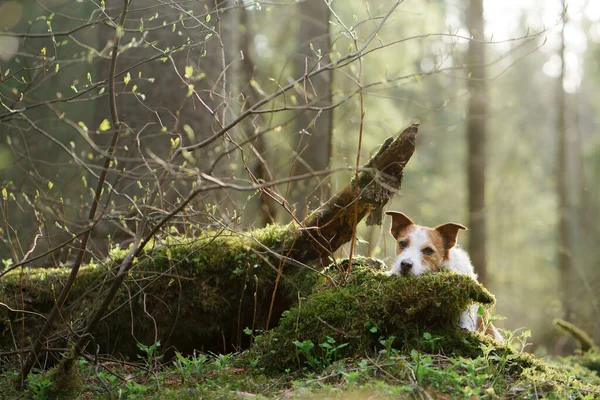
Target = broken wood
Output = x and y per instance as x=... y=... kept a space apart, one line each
x=330 y=226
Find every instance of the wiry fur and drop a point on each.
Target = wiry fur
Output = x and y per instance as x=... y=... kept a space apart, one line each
x=420 y=250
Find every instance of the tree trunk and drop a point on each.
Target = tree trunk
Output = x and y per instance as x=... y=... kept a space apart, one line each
x=265 y=208
x=476 y=138
x=564 y=226
x=313 y=129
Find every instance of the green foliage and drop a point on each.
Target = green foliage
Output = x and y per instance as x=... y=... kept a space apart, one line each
x=589 y=360
x=329 y=352
x=392 y=373
x=190 y=367
x=39 y=386
x=135 y=390
x=150 y=355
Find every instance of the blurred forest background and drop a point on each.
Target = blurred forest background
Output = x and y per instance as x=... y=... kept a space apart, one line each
x=236 y=93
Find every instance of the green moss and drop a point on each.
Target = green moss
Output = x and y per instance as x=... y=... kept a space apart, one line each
x=584 y=340
x=588 y=355
x=589 y=359
x=66 y=380
x=365 y=306
x=545 y=380
x=189 y=292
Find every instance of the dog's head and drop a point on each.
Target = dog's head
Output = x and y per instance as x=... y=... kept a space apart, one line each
x=421 y=249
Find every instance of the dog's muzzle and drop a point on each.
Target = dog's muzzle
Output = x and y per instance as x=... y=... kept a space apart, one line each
x=405 y=267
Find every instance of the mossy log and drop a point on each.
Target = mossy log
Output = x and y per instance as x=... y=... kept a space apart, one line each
x=367 y=307
x=201 y=292
x=189 y=293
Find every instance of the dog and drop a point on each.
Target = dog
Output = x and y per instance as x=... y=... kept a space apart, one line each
x=420 y=250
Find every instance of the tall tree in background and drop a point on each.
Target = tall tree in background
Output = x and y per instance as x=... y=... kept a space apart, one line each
x=313 y=129
x=564 y=226
x=258 y=168
x=476 y=137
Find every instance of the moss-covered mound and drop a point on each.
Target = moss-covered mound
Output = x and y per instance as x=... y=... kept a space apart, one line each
x=588 y=355
x=190 y=293
x=358 y=310
x=589 y=359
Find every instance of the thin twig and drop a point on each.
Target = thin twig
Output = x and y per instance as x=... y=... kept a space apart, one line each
x=82 y=248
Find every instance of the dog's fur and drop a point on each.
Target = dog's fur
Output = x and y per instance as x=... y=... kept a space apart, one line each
x=420 y=250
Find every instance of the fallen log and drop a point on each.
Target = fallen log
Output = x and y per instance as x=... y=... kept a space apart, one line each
x=203 y=292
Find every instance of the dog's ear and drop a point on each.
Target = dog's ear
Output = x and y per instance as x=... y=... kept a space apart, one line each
x=399 y=222
x=449 y=232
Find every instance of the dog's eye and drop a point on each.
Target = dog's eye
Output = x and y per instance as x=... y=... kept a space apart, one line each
x=403 y=243
x=428 y=251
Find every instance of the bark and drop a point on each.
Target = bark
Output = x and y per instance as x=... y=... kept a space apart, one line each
x=476 y=138
x=313 y=129
x=331 y=225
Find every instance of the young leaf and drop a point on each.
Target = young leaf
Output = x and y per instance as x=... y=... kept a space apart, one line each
x=189 y=132
x=104 y=126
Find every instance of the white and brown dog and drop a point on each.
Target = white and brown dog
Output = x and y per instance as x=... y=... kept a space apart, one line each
x=420 y=250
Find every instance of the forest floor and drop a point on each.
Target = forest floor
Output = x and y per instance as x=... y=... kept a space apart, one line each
x=389 y=374
x=359 y=334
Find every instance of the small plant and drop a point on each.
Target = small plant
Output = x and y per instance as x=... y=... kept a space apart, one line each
x=422 y=365
x=306 y=348
x=522 y=338
x=188 y=367
x=387 y=343
x=372 y=327
x=135 y=390
x=150 y=353
x=329 y=352
x=39 y=385
x=431 y=341
x=352 y=377
x=222 y=361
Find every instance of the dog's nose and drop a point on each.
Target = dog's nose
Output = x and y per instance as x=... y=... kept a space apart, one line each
x=406 y=266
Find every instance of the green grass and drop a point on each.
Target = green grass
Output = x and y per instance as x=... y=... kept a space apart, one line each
x=387 y=373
